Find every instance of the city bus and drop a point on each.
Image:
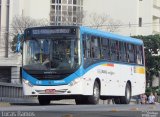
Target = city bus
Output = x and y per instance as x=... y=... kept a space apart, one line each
x=81 y=63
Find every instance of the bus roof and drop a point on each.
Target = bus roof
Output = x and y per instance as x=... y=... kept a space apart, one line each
x=110 y=35
x=96 y=32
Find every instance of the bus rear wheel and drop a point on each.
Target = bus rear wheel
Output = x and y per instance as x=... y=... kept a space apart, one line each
x=124 y=99
x=93 y=99
x=43 y=100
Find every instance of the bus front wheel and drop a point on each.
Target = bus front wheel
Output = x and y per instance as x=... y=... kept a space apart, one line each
x=43 y=100
x=94 y=99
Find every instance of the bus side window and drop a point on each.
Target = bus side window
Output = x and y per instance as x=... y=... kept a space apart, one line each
x=105 y=49
x=135 y=54
x=95 y=47
x=121 y=56
x=117 y=50
x=122 y=52
x=131 y=53
x=113 y=50
x=86 y=46
x=92 y=47
x=127 y=52
x=139 y=55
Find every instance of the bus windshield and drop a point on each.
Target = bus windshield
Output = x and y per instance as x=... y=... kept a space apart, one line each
x=59 y=53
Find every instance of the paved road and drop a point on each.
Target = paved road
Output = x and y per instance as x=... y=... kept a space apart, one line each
x=72 y=110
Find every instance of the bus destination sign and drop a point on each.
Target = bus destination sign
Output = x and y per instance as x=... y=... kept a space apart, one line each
x=52 y=31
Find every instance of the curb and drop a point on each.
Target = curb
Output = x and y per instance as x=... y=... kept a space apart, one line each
x=4 y=104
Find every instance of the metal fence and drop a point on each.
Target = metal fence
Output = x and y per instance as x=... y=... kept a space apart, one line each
x=13 y=93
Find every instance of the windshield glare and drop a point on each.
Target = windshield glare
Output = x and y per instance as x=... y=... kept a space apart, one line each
x=50 y=54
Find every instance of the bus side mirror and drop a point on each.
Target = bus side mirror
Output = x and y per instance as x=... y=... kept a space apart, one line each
x=19 y=43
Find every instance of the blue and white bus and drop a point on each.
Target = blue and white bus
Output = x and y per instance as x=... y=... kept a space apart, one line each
x=76 y=62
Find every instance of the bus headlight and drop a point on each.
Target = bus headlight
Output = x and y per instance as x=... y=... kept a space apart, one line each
x=77 y=80
x=27 y=83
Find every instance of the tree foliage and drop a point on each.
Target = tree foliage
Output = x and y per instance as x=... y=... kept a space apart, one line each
x=20 y=23
x=152 y=55
x=103 y=22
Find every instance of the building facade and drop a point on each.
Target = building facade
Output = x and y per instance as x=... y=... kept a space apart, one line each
x=138 y=17
x=58 y=12
x=10 y=63
x=66 y=12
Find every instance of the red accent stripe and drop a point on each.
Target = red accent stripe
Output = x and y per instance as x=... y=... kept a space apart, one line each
x=109 y=65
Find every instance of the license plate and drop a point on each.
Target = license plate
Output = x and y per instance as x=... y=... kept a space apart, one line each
x=50 y=91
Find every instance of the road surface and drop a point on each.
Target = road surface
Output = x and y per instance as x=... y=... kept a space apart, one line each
x=72 y=110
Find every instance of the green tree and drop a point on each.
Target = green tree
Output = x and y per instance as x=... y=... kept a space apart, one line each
x=152 y=56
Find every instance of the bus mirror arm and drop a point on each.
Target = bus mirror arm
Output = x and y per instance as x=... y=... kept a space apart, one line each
x=19 y=43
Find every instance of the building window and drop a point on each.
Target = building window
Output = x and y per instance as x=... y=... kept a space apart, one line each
x=64 y=8
x=53 y=1
x=64 y=1
x=78 y=2
x=74 y=8
x=140 y=22
x=74 y=2
x=69 y=1
x=82 y=2
x=74 y=19
x=70 y=8
x=58 y=7
x=64 y=13
x=53 y=7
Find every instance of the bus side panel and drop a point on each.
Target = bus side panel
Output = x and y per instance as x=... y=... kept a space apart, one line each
x=112 y=79
x=89 y=79
x=117 y=76
x=115 y=79
x=139 y=82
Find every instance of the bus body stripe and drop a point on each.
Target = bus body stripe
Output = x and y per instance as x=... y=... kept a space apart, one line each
x=140 y=70
x=108 y=65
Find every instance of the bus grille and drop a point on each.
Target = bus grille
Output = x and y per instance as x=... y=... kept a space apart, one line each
x=50 y=77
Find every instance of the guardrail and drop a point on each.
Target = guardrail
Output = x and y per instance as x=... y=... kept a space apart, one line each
x=13 y=93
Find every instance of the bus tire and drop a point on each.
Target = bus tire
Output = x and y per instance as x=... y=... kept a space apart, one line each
x=43 y=100
x=80 y=100
x=117 y=100
x=126 y=99
x=94 y=99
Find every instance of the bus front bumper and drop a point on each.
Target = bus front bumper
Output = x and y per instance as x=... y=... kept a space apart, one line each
x=75 y=89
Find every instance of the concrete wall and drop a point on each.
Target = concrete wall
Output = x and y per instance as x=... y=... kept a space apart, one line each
x=37 y=9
